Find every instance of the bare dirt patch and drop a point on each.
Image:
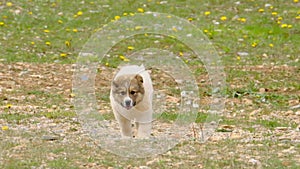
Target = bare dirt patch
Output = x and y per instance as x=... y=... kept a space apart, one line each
x=39 y=128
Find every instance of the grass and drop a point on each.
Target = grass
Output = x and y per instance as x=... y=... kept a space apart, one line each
x=55 y=31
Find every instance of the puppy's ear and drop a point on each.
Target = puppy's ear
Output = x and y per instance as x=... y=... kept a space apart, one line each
x=115 y=84
x=139 y=78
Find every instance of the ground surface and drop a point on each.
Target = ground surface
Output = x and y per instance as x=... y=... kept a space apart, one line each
x=43 y=131
x=257 y=42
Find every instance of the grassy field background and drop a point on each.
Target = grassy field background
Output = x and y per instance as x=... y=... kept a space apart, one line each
x=257 y=41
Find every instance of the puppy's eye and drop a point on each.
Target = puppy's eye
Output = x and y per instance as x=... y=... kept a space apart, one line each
x=122 y=93
x=133 y=92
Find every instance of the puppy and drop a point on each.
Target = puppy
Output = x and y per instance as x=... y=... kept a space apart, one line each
x=131 y=100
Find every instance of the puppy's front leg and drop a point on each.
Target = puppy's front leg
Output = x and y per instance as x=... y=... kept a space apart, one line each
x=143 y=129
x=125 y=125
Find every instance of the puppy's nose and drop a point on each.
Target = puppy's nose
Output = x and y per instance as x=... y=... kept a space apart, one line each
x=128 y=102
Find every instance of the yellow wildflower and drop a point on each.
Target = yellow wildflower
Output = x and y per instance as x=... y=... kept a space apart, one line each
x=117 y=17
x=289 y=26
x=298 y=17
x=141 y=10
x=8 y=106
x=180 y=53
x=205 y=31
x=271 y=45
x=63 y=55
x=130 y=47
x=261 y=10
x=9 y=4
x=284 y=25
x=279 y=18
x=75 y=30
x=32 y=43
x=238 y=58
x=4 y=128
x=79 y=13
x=206 y=13
x=46 y=31
x=30 y=13
x=106 y=64
x=296 y=1
x=138 y=28
x=242 y=19
x=174 y=29
x=60 y=21
x=223 y=18
x=125 y=13
x=68 y=43
x=274 y=13
x=131 y=14
x=48 y=43
x=254 y=44
x=2 y=23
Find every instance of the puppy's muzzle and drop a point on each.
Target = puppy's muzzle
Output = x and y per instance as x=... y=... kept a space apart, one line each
x=128 y=103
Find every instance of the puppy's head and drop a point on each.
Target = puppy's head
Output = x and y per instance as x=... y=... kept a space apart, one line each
x=128 y=90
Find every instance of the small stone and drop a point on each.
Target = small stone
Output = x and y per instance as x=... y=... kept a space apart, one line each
x=262 y=90
x=50 y=138
x=255 y=162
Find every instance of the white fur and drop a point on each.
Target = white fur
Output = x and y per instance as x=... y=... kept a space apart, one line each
x=141 y=114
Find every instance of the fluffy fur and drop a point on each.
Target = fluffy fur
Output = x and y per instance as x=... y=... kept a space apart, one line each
x=131 y=100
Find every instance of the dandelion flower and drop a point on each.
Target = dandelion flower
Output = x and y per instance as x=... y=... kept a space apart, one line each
x=279 y=18
x=48 y=43
x=254 y=44
x=4 y=128
x=284 y=25
x=117 y=17
x=271 y=45
x=205 y=31
x=125 y=14
x=238 y=58
x=68 y=43
x=60 y=21
x=297 y=17
x=296 y=1
x=106 y=64
x=289 y=26
x=138 y=28
x=9 y=4
x=274 y=13
x=190 y=19
x=2 y=23
x=141 y=10
x=8 y=106
x=30 y=13
x=79 y=13
x=223 y=18
x=206 y=13
x=46 y=31
x=130 y=47
x=261 y=10
x=242 y=19
x=180 y=53
x=32 y=43
x=75 y=30
x=63 y=55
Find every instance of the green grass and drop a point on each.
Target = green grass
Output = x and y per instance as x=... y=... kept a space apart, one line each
x=27 y=25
